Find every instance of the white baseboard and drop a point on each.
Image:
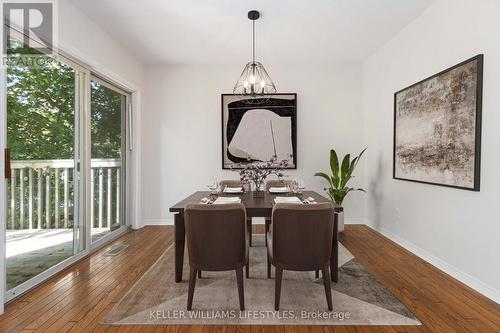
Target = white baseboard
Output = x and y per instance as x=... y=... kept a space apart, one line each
x=451 y=270
x=158 y=222
x=354 y=220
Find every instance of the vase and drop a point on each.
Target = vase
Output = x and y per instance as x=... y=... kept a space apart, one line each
x=340 y=218
x=258 y=191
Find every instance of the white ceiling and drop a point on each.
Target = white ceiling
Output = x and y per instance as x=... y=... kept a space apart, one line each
x=219 y=32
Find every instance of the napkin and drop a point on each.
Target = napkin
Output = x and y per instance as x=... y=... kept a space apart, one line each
x=226 y=200
x=278 y=189
x=287 y=200
x=233 y=189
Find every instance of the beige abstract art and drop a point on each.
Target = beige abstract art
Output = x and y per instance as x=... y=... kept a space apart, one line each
x=437 y=128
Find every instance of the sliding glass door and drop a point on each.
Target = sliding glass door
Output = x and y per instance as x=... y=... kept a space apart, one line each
x=108 y=106
x=42 y=227
x=66 y=138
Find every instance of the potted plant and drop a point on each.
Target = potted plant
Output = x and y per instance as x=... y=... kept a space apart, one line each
x=338 y=188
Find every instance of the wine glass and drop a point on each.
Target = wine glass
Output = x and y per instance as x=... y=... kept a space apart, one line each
x=300 y=185
x=212 y=185
x=292 y=187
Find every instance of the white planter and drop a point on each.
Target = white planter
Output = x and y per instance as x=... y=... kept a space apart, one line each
x=341 y=221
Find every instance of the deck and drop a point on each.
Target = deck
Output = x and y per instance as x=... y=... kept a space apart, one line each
x=32 y=251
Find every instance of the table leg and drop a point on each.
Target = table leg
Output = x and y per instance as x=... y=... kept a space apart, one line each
x=180 y=235
x=334 y=260
x=268 y=226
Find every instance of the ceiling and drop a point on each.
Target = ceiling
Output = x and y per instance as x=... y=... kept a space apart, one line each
x=219 y=32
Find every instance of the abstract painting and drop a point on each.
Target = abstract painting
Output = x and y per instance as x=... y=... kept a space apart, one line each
x=437 y=128
x=257 y=132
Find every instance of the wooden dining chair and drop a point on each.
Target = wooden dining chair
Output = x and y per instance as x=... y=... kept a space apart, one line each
x=274 y=183
x=237 y=183
x=300 y=239
x=217 y=241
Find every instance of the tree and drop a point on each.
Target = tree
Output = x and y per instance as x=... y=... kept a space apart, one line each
x=41 y=111
x=40 y=108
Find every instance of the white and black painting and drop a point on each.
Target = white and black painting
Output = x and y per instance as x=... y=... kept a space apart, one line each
x=437 y=128
x=257 y=132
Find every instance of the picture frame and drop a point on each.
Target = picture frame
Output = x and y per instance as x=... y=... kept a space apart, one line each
x=443 y=147
x=246 y=136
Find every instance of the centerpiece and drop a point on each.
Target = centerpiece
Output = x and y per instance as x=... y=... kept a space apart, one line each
x=256 y=172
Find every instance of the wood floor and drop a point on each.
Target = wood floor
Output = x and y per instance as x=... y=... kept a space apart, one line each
x=78 y=298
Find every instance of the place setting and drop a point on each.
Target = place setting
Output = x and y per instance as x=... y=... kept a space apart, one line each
x=292 y=191
x=221 y=193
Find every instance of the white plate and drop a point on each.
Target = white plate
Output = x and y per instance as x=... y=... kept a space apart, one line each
x=293 y=200
x=278 y=190
x=233 y=190
x=226 y=200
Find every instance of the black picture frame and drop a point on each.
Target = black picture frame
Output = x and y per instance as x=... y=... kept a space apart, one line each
x=478 y=118
x=294 y=127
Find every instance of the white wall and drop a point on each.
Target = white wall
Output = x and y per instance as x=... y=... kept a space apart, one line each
x=182 y=128
x=456 y=230
x=82 y=38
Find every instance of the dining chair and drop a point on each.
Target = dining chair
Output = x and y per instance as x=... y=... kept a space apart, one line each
x=217 y=241
x=300 y=239
x=230 y=183
x=237 y=183
x=274 y=183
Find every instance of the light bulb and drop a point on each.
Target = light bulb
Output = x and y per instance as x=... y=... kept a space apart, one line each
x=252 y=79
x=245 y=84
x=262 y=84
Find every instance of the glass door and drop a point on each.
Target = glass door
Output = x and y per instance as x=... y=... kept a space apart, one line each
x=42 y=226
x=108 y=106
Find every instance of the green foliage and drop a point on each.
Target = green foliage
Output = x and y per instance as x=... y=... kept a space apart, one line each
x=105 y=123
x=41 y=111
x=341 y=174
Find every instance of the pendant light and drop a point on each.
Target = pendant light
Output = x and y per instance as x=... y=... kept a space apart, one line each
x=254 y=82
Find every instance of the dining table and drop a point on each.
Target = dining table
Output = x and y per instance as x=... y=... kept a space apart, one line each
x=256 y=206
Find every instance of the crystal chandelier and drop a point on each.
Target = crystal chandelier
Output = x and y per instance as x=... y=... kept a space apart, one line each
x=254 y=82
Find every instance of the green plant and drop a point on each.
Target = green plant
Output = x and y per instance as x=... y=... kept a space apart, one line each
x=341 y=174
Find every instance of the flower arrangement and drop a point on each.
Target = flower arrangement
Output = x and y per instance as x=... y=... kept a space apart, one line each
x=257 y=172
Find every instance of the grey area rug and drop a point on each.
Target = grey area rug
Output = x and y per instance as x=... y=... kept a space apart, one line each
x=358 y=298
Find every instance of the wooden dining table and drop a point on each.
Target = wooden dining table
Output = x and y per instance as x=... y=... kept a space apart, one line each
x=255 y=207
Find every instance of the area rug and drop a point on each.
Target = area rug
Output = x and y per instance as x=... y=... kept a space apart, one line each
x=358 y=298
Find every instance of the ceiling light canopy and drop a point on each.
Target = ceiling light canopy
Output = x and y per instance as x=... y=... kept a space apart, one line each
x=254 y=80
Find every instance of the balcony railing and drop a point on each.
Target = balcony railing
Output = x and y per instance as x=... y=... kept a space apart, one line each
x=41 y=194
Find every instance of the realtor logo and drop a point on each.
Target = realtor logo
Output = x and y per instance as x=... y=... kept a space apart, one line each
x=29 y=22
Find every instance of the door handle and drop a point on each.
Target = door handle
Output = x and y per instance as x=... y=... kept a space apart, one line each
x=6 y=154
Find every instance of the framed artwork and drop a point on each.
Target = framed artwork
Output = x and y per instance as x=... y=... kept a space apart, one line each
x=437 y=128
x=257 y=132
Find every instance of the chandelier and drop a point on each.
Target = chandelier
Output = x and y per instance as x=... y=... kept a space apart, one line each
x=254 y=82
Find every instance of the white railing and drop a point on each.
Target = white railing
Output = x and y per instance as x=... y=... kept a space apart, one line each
x=41 y=193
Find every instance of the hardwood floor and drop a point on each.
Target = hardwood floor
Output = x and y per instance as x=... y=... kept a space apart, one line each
x=78 y=298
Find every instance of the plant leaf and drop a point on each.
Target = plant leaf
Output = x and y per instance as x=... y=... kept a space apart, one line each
x=359 y=156
x=335 y=182
x=345 y=166
x=334 y=163
x=325 y=176
x=345 y=181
